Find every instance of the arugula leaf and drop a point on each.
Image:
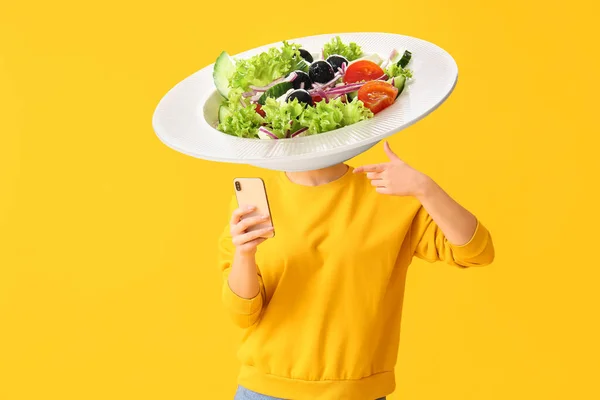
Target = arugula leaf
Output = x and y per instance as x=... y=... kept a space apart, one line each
x=351 y=51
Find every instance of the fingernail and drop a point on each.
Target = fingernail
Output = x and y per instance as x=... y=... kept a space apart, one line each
x=265 y=217
x=250 y=207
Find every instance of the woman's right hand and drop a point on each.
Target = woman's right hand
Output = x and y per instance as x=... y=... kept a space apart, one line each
x=246 y=242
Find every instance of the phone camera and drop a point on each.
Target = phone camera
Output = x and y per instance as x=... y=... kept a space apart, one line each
x=238 y=186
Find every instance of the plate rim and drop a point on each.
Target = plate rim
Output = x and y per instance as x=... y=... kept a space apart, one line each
x=224 y=157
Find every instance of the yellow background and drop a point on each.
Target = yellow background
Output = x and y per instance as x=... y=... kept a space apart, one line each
x=108 y=282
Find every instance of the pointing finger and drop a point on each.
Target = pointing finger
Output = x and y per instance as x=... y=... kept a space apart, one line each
x=370 y=168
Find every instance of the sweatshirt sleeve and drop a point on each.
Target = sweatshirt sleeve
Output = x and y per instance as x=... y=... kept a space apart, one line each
x=244 y=312
x=430 y=244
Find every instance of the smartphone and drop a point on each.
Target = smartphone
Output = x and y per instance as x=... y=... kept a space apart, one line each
x=252 y=192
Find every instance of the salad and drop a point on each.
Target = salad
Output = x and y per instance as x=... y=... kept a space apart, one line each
x=288 y=92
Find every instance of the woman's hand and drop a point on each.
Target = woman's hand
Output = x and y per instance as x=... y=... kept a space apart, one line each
x=246 y=242
x=400 y=179
x=396 y=177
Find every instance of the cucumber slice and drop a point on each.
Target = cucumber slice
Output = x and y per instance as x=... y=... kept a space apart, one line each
x=276 y=91
x=405 y=59
x=352 y=95
x=399 y=82
x=302 y=65
x=224 y=112
x=222 y=72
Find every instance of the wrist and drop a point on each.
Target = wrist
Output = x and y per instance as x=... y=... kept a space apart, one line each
x=245 y=254
x=426 y=188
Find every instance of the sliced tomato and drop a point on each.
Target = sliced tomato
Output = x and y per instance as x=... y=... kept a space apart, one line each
x=377 y=95
x=316 y=98
x=363 y=70
x=259 y=110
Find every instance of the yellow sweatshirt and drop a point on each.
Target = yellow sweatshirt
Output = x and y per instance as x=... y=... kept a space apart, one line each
x=326 y=323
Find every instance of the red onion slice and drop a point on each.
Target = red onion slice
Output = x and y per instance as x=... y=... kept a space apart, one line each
x=346 y=88
x=265 y=88
x=350 y=87
x=268 y=132
x=289 y=78
x=393 y=54
x=257 y=96
x=321 y=93
x=299 y=131
x=336 y=77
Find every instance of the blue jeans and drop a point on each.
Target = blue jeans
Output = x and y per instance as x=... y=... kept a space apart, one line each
x=246 y=394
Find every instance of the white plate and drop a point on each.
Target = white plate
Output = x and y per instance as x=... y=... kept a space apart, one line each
x=185 y=117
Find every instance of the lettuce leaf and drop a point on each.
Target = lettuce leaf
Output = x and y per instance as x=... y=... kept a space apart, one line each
x=351 y=51
x=285 y=118
x=354 y=112
x=281 y=118
x=324 y=117
x=265 y=67
x=395 y=70
x=243 y=122
x=235 y=95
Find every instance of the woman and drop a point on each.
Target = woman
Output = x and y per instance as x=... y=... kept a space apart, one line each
x=321 y=302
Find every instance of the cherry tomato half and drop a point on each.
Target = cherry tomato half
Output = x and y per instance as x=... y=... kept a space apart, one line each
x=363 y=70
x=377 y=95
x=259 y=110
x=316 y=98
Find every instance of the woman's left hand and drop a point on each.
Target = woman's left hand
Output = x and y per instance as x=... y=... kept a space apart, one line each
x=396 y=177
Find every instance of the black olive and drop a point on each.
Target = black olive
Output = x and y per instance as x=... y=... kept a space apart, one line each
x=302 y=95
x=321 y=72
x=302 y=78
x=306 y=55
x=337 y=61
